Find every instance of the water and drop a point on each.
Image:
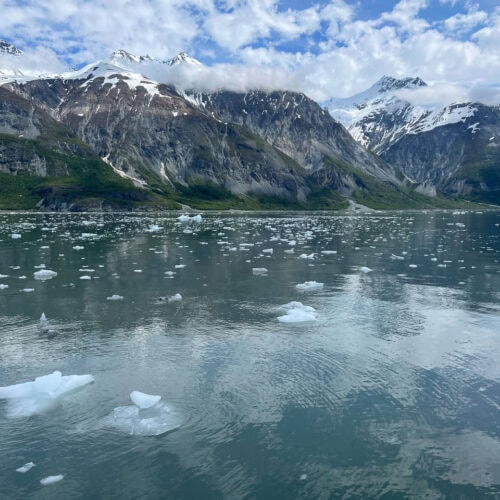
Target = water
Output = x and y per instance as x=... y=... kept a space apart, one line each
x=393 y=392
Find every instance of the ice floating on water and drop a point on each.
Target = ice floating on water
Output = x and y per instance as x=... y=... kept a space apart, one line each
x=306 y=256
x=15 y=236
x=44 y=324
x=397 y=257
x=115 y=297
x=328 y=252
x=296 y=312
x=78 y=247
x=143 y=400
x=175 y=298
x=365 y=269
x=309 y=285
x=26 y=467
x=44 y=274
x=42 y=394
x=148 y=416
x=259 y=271
x=51 y=479
x=413 y=266
x=185 y=219
x=3 y=287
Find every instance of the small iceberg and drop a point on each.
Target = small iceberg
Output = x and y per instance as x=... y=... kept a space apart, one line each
x=51 y=479
x=365 y=269
x=115 y=297
x=42 y=394
x=44 y=274
x=148 y=416
x=259 y=271
x=309 y=285
x=25 y=467
x=185 y=219
x=44 y=324
x=296 y=312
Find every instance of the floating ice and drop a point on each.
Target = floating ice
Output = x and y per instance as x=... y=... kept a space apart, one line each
x=44 y=274
x=85 y=277
x=143 y=400
x=185 y=219
x=28 y=290
x=15 y=236
x=175 y=298
x=259 y=271
x=296 y=312
x=397 y=257
x=78 y=247
x=42 y=394
x=26 y=467
x=51 y=479
x=309 y=285
x=306 y=256
x=149 y=416
x=44 y=324
x=268 y=250
x=115 y=297
x=180 y=266
x=3 y=287
x=196 y=218
x=413 y=266
x=365 y=269
x=328 y=252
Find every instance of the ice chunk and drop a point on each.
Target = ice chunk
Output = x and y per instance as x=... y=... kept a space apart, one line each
x=183 y=219
x=44 y=274
x=115 y=297
x=307 y=256
x=26 y=467
x=42 y=394
x=328 y=252
x=259 y=271
x=365 y=269
x=296 y=312
x=175 y=298
x=268 y=250
x=196 y=218
x=3 y=287
x=149 y=416
x=51 y=479
x=143 y=400
x=15 y=236
x=78 y=247
x=309 y=285
x=397 y=257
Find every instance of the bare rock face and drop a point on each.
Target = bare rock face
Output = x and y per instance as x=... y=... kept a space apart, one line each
x=453 y=149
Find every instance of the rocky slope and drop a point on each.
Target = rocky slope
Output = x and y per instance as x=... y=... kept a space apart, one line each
x=242 y=150
x=453 y=149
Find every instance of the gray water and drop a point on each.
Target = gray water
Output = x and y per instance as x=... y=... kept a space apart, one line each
x=392 y=392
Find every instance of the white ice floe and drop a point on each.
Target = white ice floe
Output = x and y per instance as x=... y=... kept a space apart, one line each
x=44 y=324
x=143 y=400
x=328 y=252
x=365 y=269
x=15 y=236
x=115 y=297
x=259 y=271
x=28 y=290
x=25 y=467
x=397 y=257
x=78 y=247
x=307 y=256
x=309 y=285
x=85 y=277
x=268 y=250
x=42 y=394
x=185 y=219
x=175 y=298
x=148 y=416
x=51 y=479
x=44 y=274
x=296 y=312
x=3 y=287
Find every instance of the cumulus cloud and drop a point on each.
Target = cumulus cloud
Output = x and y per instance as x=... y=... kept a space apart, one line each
x=324 y=48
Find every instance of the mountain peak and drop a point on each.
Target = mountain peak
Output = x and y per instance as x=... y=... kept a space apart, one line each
x=183 y=58
x=8 y=48
x=387 y=83
x=121 y=54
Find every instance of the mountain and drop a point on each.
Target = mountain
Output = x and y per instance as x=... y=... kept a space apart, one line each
x=8 y=48
x=109 y=136
x=454 y=149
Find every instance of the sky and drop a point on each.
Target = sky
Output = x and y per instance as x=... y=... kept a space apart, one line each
x=324 y=48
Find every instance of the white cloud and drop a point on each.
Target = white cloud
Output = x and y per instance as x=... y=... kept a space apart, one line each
x=336 y=50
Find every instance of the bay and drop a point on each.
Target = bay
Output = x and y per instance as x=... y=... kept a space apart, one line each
x=391 y=391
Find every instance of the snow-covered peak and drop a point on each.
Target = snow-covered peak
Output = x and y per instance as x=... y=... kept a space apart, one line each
x=183 y=58
x=122 y=55
x=388 y=83
x=112 y=74
x=8 y=48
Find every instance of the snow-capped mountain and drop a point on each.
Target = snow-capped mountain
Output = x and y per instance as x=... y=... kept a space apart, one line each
x=442 y=147
x=8 y=48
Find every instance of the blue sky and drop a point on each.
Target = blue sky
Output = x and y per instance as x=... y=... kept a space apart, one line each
x=325 y=47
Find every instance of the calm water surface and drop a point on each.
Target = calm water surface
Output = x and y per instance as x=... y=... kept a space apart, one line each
x=392 y=392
